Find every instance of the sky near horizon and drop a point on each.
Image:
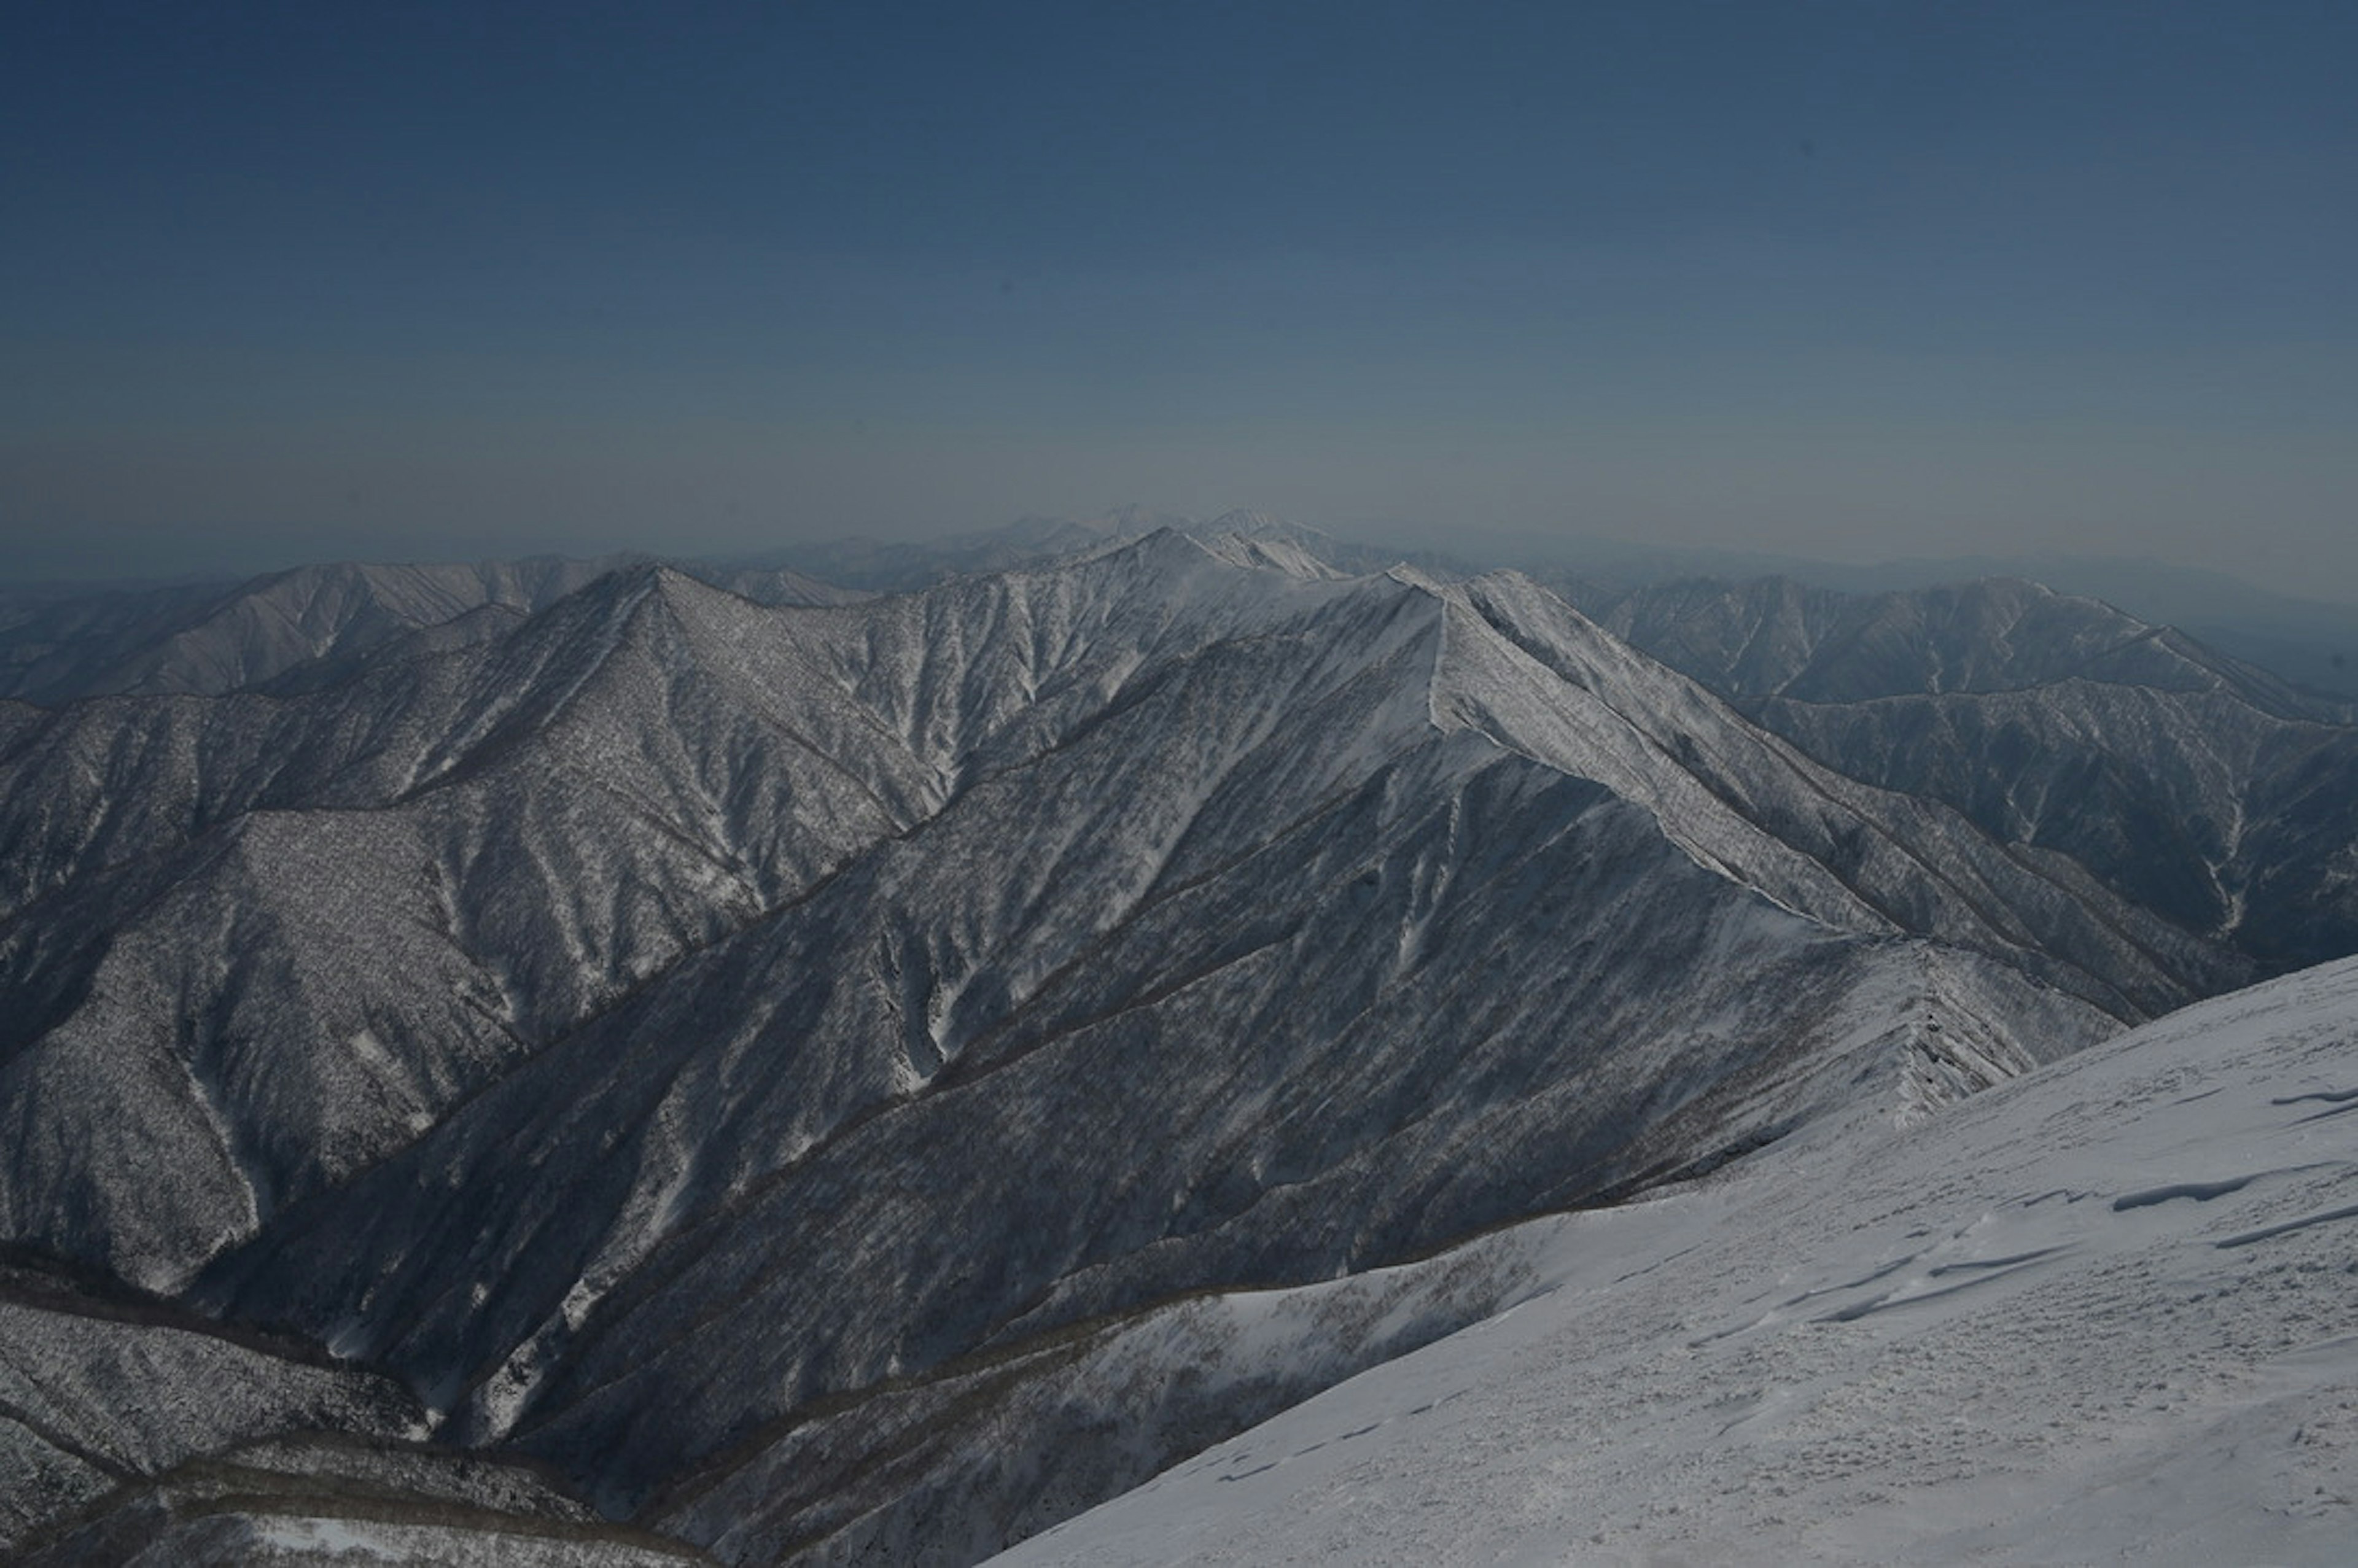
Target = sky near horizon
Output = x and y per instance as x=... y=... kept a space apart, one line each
x=1853 y=280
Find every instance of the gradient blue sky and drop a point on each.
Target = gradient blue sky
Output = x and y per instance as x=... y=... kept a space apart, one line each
x=299 y=281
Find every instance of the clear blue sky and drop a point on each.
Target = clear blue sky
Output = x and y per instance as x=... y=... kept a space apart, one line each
x=296 y=281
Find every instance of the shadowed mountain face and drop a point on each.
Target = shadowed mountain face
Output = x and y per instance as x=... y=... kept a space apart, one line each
x=653 y=1025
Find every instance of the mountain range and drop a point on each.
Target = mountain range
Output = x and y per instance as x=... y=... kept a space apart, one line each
x=607 y=1058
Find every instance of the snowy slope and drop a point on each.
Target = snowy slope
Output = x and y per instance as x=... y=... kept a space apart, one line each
x=2104 y=1312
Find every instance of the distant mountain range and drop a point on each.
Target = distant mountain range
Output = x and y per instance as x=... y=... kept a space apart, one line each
x=668 y=1062
x=60 y=640
x=313 y=625
x=2312 y=642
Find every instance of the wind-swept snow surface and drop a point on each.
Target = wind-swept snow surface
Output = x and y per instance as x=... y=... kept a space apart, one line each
x=2105 y=1313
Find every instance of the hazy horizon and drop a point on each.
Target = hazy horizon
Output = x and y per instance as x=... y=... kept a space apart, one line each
x=2146 y=585
x=1829 y=281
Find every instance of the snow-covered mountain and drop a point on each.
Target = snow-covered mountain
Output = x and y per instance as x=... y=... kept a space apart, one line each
x=2103 y=1314
x=788 y=1069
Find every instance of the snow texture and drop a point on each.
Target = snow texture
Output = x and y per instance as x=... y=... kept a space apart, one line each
x=2105 y=1313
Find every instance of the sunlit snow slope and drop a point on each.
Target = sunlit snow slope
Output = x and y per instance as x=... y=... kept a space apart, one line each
x=2105 y=1313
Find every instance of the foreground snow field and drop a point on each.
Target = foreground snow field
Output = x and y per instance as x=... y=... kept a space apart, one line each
x=2106 y=1313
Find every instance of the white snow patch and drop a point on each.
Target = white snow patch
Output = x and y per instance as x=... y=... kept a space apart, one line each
x=371 y=1050
x=327 y=1536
